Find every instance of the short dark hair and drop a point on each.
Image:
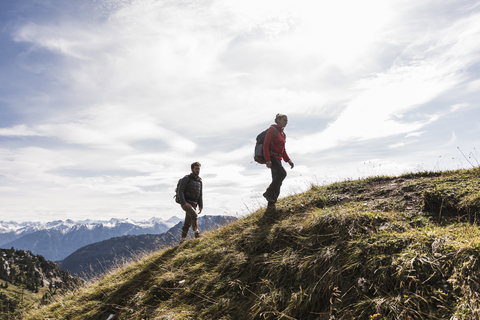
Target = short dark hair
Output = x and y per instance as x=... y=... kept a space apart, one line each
x=195 y=164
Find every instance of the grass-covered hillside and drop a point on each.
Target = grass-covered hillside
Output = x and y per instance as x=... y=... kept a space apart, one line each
x=27 y=279
x=380 y=248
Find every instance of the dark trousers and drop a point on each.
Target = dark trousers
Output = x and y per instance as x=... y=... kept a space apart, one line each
x=278 y=175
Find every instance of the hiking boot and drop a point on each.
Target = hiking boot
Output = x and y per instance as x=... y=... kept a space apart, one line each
x=182 y=240
x=270 y=212
x=197 y=234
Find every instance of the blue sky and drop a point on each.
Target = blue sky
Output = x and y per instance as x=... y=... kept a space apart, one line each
x=104 y=104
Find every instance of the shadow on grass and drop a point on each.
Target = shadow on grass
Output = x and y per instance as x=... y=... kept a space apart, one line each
x=121 y=297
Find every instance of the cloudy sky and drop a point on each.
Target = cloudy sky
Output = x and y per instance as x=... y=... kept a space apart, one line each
x=104 y=104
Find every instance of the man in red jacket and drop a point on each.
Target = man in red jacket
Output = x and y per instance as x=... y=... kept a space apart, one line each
x=273 y=152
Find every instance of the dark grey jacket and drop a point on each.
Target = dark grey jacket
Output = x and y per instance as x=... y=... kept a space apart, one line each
x=190 y=190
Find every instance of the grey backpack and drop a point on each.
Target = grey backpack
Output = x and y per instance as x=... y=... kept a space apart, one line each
x=177 y=198
x=258 y=153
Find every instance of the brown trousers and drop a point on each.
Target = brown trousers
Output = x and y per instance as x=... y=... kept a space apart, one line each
x=190 y=214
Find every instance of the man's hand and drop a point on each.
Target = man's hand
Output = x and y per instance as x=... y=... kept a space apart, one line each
x=269 y=164
x=290 y=162
x=186 y=206
x=200 y=210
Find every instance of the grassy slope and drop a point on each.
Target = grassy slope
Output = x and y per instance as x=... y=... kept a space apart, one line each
x=361 y=249
x=24 y=296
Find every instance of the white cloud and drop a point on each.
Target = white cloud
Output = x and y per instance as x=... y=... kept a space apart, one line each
x=473 y=86
x=8 y=189
x=418 y=77
x=110 y=127
x=18 y=131
x=169 y=60
x=397 y=145
x=33 y=164
x=415 y=134
x=459 y=106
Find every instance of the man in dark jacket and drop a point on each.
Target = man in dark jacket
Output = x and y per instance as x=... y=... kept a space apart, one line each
x=190 y=194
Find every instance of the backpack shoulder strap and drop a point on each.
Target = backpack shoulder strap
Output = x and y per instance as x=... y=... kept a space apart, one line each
x=185 y=177
x=274 y=134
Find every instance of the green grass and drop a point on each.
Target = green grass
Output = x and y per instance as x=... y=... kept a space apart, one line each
x=379 y=248
x=26 y=298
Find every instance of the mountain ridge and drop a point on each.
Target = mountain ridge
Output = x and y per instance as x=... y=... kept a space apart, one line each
x=96 y=258
x=55 y=240
x=26 y=227
x=403 y=247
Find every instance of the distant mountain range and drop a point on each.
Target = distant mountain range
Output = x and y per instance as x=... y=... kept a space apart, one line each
x=96 y=258
x=57 y=239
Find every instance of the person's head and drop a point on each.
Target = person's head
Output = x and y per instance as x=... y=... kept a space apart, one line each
x=281 y=120
x=195 y=168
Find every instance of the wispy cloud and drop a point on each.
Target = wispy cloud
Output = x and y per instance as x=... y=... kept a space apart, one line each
x=428 y=68
x=111 y=127
x=19 y=131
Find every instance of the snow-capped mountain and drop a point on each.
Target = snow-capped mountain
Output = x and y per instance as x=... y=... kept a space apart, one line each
x=57 y=239
x=96 y=258
x=22 y=228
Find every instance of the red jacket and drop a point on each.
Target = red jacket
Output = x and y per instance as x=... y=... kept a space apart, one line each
x=278 y=145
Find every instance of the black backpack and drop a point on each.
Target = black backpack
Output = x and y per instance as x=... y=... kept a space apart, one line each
x=258 y=153
x=177 y=198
